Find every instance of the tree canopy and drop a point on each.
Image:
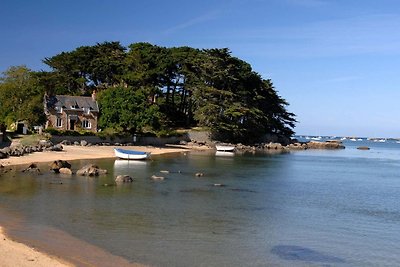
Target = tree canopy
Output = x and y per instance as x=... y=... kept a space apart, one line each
x=145 y=86
x=21 y=96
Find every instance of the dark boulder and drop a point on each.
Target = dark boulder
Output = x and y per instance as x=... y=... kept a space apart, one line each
x=3 y=155
x=58 y=164
x=57 y=147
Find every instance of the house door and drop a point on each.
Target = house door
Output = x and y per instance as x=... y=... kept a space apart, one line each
x=72 y=125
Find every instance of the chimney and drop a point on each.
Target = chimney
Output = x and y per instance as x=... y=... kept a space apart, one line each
x=94 y=95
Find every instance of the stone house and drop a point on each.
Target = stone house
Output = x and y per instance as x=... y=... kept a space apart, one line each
x=71 y=112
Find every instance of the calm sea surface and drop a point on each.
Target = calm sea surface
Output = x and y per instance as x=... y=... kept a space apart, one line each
x=305 y=208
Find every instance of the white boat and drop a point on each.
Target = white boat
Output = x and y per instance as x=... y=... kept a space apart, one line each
x=224 y=148
x=130 y=154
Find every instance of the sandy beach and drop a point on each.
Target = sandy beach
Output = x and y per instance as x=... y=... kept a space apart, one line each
x=85 y=152
x=16 y=254
x=13 y=253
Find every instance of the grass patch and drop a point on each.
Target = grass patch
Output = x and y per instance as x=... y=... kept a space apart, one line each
x=30 y=140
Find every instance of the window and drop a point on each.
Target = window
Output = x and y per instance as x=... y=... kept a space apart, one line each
x=58 y=122
x=86 y=124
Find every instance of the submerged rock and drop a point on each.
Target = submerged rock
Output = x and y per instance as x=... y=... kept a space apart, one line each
x=123 y=179
x=91 y=170
x=32 y=168
x=155 y=177
x=363 y=148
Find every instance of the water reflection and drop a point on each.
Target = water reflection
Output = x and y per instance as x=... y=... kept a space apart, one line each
x=224 y=154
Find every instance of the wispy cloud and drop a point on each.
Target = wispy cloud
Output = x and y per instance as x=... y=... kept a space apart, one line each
x=212 y=15
x=373 y=34
x=306 y=3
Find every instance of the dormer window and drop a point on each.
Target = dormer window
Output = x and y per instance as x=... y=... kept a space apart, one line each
x=58 y=109
x=74 y=107
x=86 y=110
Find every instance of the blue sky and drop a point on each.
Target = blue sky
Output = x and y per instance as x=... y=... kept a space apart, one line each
x=336 y=62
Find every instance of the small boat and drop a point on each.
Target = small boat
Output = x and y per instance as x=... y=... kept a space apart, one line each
x=224 y=148
x=130 y=154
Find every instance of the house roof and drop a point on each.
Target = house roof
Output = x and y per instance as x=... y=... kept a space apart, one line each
x=72 y=102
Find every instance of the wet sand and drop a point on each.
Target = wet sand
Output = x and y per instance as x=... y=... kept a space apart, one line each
x=13 y=253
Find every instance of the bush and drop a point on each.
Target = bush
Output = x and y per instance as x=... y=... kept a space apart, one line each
x=57 y=132
x=168 y=133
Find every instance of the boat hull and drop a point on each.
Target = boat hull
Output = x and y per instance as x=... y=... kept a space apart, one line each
x=224 y=148
x=130 y=154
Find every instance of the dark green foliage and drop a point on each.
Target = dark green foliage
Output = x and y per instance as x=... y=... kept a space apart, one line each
x=87 y=67
x=148 y=88
x=57 y=132
x=127 y=110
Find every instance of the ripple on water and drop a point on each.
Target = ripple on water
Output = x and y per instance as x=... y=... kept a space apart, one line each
x=298 y=253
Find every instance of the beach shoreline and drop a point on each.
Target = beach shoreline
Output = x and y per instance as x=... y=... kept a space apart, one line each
x=15 y=253
x=89 y=152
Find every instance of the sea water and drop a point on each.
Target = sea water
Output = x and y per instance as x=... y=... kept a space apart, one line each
x=303 y=208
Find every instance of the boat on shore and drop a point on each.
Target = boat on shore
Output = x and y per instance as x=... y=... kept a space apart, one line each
x=225 y=148
x=131 y=154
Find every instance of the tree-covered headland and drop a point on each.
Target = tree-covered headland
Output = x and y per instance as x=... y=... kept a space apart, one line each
x=148 y=88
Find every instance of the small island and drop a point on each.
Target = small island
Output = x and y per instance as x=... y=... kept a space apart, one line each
x=149 y=90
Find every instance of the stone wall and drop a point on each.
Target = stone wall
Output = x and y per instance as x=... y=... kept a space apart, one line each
x=143 y=141
x=199 y=136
